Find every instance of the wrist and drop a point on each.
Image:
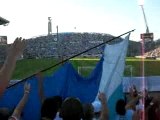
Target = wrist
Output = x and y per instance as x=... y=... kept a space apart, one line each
x=26 y=92
x=103 y=102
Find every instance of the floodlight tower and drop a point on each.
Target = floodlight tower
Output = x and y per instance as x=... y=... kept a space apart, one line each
x=49 y=26
x=145 y=20
x=147 y=36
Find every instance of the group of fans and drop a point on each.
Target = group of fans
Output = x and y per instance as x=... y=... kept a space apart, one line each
x=138 y=106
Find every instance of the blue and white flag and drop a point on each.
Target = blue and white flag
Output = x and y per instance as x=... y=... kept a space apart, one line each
x=66 y=82
x=112 y=73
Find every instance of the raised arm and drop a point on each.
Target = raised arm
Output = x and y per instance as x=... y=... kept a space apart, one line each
x=132 y=103
x=133 y=91
x=9 y=65
x=19 y=108
x=40 y=79
x=104 y=109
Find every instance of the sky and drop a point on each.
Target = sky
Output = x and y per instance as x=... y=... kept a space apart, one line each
x=29 y=18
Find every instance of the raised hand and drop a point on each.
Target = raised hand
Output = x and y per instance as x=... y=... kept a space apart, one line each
x=17 y=47
x=133 y=91
x=19 y=108
x=27 y=87
x=40 y=79
x=102 y=97
x=104 y=109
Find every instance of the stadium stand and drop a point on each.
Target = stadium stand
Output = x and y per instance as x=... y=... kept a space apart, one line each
x=70 y=43
x=153 y=53
x=67 y=45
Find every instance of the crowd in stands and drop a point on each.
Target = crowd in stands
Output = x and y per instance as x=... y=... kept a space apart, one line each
x=69 y=44
x=3 y=49
x=154 y=53
x=66 y=45
x=138 y=106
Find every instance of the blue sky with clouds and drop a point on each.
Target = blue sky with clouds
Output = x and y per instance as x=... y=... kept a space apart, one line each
x=29 y=18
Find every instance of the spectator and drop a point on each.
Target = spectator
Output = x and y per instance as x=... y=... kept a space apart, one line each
x=19 y=108
x=125 y=111
x=153 y=109
x=133 y=91
x=5 y=113
x=104 y=109
x=40 y=79
x=10 y=62
x=147 y=98
x=72 y=109
x=50 y=106
x=88 y=112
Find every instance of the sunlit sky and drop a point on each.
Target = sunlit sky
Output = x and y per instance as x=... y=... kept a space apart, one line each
x=29 y=18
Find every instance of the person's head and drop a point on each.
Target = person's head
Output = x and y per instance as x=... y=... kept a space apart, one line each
x=88 y=111
x=50 y=107
x=133 y=91
x=152 y=112
x=120 y=107
x=5 y=113
x=146 y=93
x=71 y=109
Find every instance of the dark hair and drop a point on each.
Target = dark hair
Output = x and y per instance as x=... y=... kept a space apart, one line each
x=71 y=109
x=50 y=107
x=5 y=113
x=120 y=107
x=148 y=100
x=152 y=112
x=88 y=111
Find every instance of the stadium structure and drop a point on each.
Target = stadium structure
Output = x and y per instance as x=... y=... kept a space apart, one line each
x=147 y=36
x=3 y=21
x=3 y=39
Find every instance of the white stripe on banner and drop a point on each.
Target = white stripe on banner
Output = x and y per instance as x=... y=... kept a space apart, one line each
x=113 y=66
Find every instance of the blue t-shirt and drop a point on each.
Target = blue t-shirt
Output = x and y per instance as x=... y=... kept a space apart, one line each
x=127 y=116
